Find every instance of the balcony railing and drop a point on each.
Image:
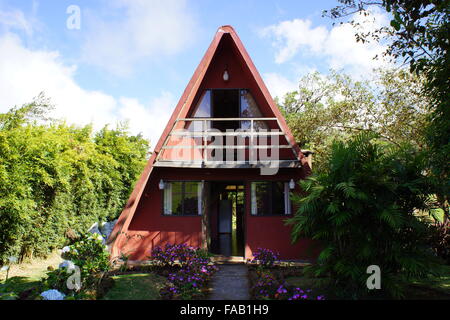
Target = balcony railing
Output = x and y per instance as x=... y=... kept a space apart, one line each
x=186 y=136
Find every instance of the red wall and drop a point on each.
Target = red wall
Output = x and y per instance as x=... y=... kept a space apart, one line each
x=149 y=228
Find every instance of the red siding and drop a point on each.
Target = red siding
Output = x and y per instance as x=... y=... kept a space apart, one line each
x=149 y=228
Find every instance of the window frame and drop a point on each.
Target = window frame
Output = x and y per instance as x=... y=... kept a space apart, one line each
x=287 y=211
x=199 y=214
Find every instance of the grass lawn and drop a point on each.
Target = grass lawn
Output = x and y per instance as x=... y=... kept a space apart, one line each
x=27 y=275
x=137 y=286
x=432 y=288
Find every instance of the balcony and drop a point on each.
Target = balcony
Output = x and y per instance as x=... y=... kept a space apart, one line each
x=227 y=143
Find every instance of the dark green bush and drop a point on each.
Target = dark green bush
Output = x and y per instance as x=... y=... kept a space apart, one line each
x=363 y=208
x=56 y=180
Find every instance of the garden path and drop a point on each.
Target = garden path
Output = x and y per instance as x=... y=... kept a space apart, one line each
x=230 y=283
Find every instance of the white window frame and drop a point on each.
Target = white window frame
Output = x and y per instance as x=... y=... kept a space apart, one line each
x=286 y=193
x=167 y=197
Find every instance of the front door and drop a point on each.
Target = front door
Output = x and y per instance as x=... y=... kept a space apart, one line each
x=228 y=240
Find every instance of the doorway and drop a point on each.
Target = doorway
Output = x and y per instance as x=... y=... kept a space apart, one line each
x=228 y=238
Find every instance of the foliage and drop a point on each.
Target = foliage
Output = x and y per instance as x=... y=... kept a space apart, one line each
x=269 y=287
x=8 y=296
x=56 y=180
x=362 y=210
x=265 y=257
x=439 y=240
x=419 y=35
x=90 y=254
x=173 y=254
x=326 y=108
x=92 y=257
x=194 y=273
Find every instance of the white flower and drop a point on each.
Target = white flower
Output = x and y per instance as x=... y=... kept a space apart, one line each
x=67 y=264
x=65 y=249
x=52 y=295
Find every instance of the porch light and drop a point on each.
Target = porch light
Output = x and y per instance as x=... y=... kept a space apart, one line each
x=226 y=76
x=161 y=185
x=292 y=184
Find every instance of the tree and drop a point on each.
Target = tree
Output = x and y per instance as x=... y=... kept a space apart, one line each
x=326 y=108
x=419 y=36
x=362 y=209
x=56 y=178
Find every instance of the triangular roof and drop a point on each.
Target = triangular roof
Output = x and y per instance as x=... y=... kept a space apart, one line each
x=182 y=108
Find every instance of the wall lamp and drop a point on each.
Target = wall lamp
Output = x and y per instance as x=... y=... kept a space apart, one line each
x=292 y=184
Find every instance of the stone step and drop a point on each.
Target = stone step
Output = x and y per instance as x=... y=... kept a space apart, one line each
x=230 y=283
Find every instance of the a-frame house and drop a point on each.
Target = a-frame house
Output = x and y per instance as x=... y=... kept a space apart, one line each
x=222 y=172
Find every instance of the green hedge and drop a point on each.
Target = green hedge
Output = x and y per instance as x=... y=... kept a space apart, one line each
x=56 y=180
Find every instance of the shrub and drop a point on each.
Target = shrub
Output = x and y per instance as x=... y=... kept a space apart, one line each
x=172 y=254
x=265 y=257
x=269 y=287
x=362 y=210
x=194 y=270
x=266 y=287
x=91 y=256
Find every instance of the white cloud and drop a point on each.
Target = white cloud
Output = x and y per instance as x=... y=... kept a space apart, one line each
x=149 y=29
x=279 y=85
x=25 y=73
x=14 y=19
x=150 y=120
x=290 y=36
x=336 y=46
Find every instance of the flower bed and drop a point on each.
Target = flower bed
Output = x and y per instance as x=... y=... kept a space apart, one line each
x=191 y=270
x=187 y=270
x=268 y=280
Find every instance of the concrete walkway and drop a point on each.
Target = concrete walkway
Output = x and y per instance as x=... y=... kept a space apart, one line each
x=230 y=283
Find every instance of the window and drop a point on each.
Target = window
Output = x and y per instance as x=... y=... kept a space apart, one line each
x=249 y=109
x=227 y=103
x=202 y=110
x=270 y=198
x=183 y=198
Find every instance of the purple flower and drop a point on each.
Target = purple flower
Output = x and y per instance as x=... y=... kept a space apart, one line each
x=281 y=290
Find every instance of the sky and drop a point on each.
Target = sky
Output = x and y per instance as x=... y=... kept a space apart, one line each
x=104 y=62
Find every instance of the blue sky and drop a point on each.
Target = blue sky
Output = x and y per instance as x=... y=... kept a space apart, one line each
x=131 y=59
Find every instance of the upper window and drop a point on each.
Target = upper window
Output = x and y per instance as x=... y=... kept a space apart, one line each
x=182 y=198
x=227 y=103
x=249 y=109
x=270 y=198
x=202 y=110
